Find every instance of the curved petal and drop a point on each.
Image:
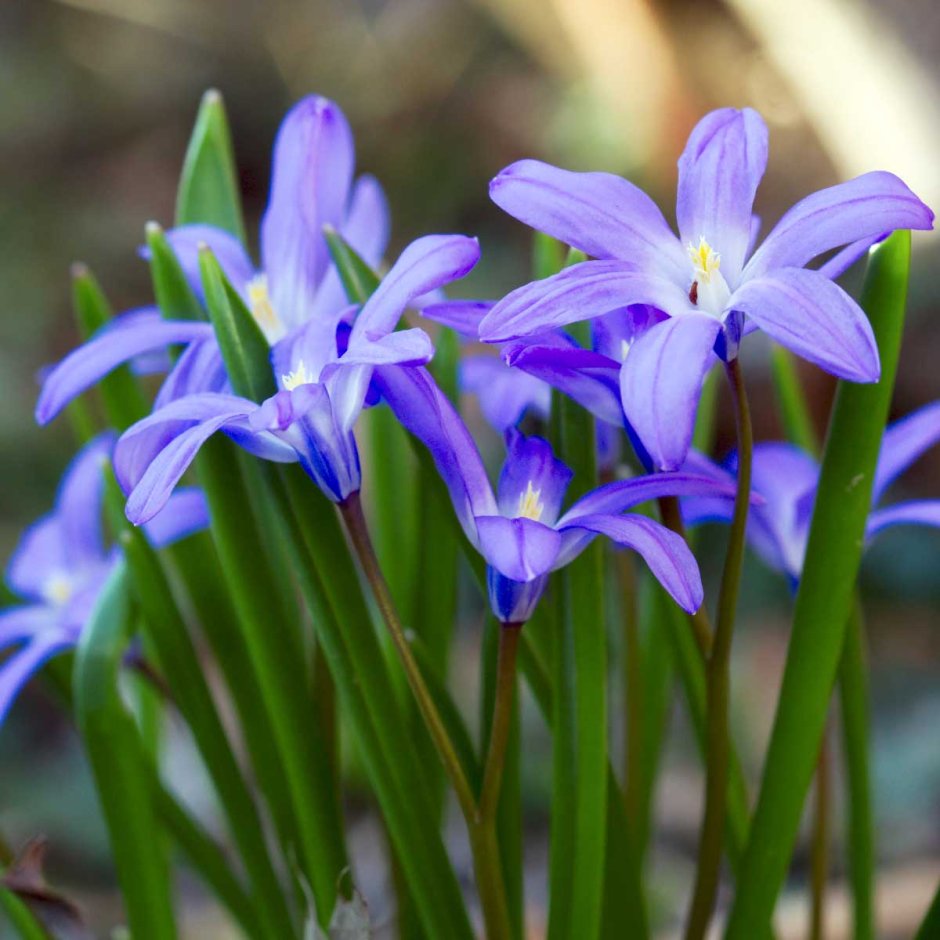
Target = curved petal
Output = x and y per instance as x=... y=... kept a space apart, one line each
x=582 y=292
x=40 y=554
x=226 y=248
x=199 y=369
x=815 y=318
x=665 y=552
x=661 y=382
x=22 y=623
x=602 y=214
x=903 y=442
x=130 y=335
x=591 y=379
x=22 y=666
x=403 y=347
x=513 y=601
x=621 y=495
x=78 y=504
x=505 y=394
x=310 y=181
x=866 y=206
x=842 y=260
x=427 y=263
x=520 y=549
x=425 y=411
x=719 y=172
x=917 y=512
x=304 y=351
x=186 y=512
x=462 y=316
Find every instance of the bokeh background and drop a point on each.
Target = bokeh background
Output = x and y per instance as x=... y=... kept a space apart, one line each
x=97 y=99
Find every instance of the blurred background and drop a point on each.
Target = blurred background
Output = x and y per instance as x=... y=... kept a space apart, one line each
x=97 y=98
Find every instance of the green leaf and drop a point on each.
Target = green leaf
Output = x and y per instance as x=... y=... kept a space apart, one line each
x=548 y=255
x=930 y=928
x=208 y=190
x=174 y=295
x=359 y=280
x=824 y=600
x=791 y=402
x=244 y=349
x=122 y=779
x=124 y=400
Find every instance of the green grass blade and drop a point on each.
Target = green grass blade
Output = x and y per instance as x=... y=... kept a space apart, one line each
x=208 y=190
x=824 y=600
x=122 y=779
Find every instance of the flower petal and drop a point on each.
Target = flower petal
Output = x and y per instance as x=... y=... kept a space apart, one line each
x=520 y=549
x=904 y=441
x=130 y=335
x=186 y=512
x=531 y=470
x=665 y=552
x=78 y=504
x=815 y=318
x=22 y=623
x=186 y=241
x=22 y=666
x=661 y=382
x=368 y=220
x=866 y=206
x=199 y=369
x=505 y=394
x=463 y=316
x=427 y=263
x=917 y=512
x=582 y=292
x=310 y=182
x=719 y=172
x=602 y=214
x=425 y=411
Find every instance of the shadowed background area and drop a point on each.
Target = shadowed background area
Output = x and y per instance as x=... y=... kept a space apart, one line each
x=98 y=98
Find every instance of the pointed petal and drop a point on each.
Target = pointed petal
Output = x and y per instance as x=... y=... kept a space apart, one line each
x=425 y=411
x=426 y=264
x=719 y=172
x=840 y=262
x=463 y=316
x=186 y=512
x=582 y=292
x=22 y=666
x=666 y=554
x=22 y=623
x=505 y=394
x=199 y=369
x=78 y=504
x=130 y=335
x=403 y=347
x=903 y=443
x=815 y=318
x=924 y=512
x=186 y=241
x=602 y=214
x=310 y=181
x=869 y=205
x=520 y=549
x=661 y=382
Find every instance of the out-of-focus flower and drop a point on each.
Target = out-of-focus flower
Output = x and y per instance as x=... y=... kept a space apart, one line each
x=520 y=530
x=709 y=282
x=787 y=477
x=323 y=389
x=62 y=563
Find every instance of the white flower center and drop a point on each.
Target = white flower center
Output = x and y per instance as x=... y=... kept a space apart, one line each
x=259 y=302
x=57 y=589
x=709 y=290
x=530 y=504
x=299 y=376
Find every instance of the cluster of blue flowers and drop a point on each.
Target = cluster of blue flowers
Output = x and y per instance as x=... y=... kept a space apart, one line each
x=663 y=310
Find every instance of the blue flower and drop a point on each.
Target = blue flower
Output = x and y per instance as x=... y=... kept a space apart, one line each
x=62 y=563
x=710 y=283
x=786 y=477
x=520 y=530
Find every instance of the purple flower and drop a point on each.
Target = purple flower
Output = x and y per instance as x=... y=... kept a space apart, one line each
x=709 y=282
x=62 y=563
x=520 y=530
x=323 y=389
x=312 y=186
x=787 y=477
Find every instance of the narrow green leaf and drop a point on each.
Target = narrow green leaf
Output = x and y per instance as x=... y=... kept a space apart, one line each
x=180 y=664
x=930 y=928
x=245 y=350
x=26 y=924
x=548 y=255
x=359 y=280
x=824 y=600
x=703 y=438
x=123 y=782
x=175 y=297
x=208 y=190
x=124 y=400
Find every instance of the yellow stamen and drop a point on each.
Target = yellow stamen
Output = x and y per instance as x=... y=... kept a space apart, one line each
x=704 y=259
x=57 y=589
x=530 y=504
x=259 y=300
x=298 y=377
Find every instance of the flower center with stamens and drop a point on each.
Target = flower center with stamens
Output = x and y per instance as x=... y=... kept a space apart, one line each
x=57 y=589
x=709 y=290
x=299 y=376
x=530 y=504
x=259 y=301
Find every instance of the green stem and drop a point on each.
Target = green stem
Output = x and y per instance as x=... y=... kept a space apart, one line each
x=819 y=862
x=718 y=676
x=488 y=869
x=354 y=519
x=633 y=773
